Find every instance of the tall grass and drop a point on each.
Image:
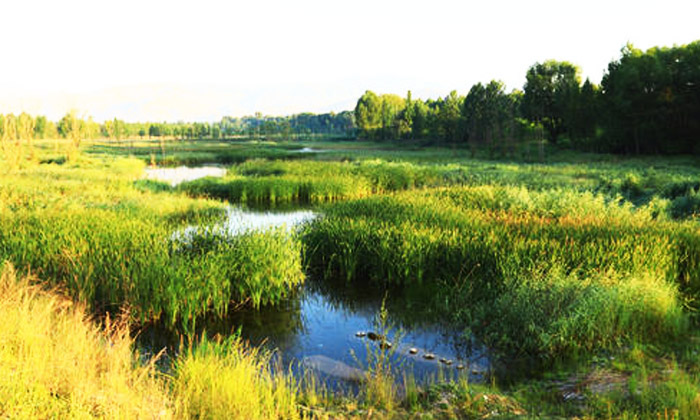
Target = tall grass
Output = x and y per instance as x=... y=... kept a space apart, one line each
x=561 y=316
x=230 y=380
x=304 y=182
x=109 y=245
x=54 y=363
x=574 y=272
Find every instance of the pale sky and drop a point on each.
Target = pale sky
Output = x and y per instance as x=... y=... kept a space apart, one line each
x=153 y=60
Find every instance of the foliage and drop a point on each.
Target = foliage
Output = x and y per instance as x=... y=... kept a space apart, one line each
x=651 y=99
x=549 y=92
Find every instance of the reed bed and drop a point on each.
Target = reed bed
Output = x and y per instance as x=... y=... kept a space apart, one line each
x=271 y=183
x=568 y=272
x=110 y=245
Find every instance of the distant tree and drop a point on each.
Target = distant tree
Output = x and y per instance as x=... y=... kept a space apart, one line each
x=419 y=126
x=490 y=117
x=391 y=108
x=25 y=130
x=550 y=89
x=405 y=125
x=651 y=100
x=368 y=115
x=11 y=144
x=154 y=130
x=40 y=127
x=108 y=127
x=72 y=128
x=583 y=115
x=449 y=117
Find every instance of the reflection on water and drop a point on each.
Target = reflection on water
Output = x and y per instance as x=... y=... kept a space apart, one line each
x=308 y=150
x=183 y=173
x=319 y=331
x=239 y=221
x=327 y=325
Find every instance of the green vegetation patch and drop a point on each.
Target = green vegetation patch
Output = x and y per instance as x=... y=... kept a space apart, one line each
x=111 y=245
x=545 y=273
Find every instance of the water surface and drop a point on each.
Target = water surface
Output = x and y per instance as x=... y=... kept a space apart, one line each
x=325 y=326
x=181 y=174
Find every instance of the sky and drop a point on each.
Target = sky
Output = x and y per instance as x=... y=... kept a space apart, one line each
x=153 y=60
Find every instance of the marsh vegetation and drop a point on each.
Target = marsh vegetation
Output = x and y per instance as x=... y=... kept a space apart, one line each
x=584 y=269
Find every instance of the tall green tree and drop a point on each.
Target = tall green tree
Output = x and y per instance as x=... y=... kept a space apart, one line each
x=651 y=100
x=490 y=117
x=391 y=108
x=449 y=117
x=550 y=91
x=368 y=115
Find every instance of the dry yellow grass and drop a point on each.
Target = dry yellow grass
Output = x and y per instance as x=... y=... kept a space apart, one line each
x=55 y=363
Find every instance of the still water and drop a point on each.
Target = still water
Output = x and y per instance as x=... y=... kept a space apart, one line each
x=326 y=326
x=183 y=173
x=332 y=327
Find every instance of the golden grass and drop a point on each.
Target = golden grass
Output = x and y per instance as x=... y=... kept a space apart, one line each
x=228 y=380
x=55 y=363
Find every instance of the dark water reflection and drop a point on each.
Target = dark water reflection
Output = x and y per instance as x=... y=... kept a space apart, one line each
x=320 y=324
x=317 y=327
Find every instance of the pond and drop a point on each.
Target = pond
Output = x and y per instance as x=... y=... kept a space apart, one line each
x=328 y=331
x=332 y=328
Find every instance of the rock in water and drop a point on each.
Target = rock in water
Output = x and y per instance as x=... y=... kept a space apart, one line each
x=332 y=367
x=374 y=336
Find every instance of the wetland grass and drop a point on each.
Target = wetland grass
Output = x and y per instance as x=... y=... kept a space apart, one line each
x=55 y=363
x=560 y=260
x=601 y=274
x=110 y=245
x=224 y=380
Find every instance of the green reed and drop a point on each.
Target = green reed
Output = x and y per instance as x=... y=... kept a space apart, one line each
x=111 y=246
x=501 y=252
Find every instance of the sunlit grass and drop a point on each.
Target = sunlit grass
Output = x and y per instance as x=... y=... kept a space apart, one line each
x=230 y=380
x=88 y=228
x=54 y=363
x=552 y=261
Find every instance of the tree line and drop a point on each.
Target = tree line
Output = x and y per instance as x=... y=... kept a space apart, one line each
x=647 y=102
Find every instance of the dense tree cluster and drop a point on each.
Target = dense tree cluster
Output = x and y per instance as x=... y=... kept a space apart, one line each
x=648 y=102
x=290 y=127
x=487 y=117
x=651 y=100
